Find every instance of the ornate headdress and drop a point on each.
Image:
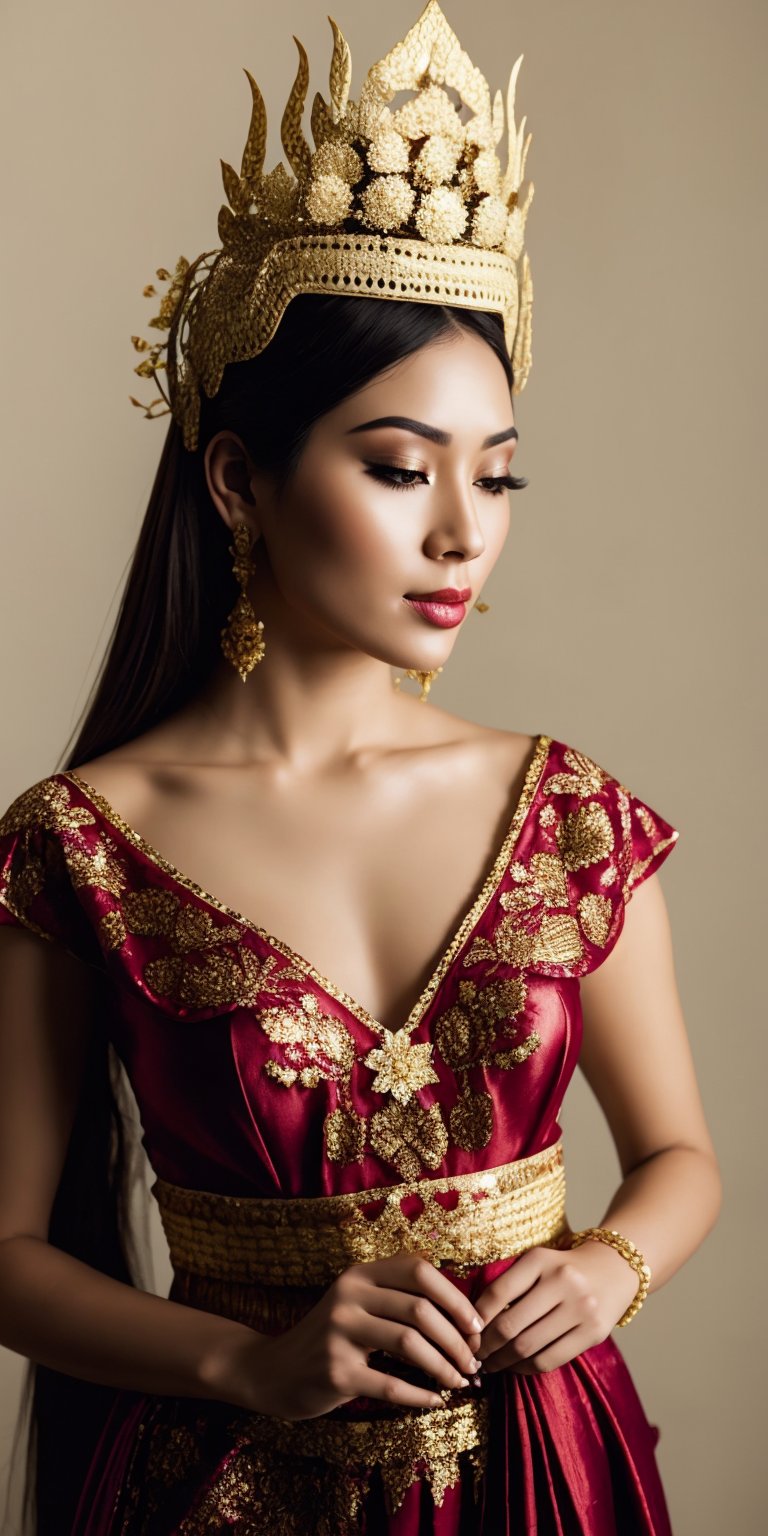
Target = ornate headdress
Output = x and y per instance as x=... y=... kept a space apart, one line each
x=406 y=204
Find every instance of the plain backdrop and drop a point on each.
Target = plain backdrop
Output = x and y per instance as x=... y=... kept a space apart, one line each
x=626 y=609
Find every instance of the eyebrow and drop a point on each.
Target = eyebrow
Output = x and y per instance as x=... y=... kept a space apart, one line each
x=423 y=429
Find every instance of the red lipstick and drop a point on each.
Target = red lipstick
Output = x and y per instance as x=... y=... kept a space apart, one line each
x=444 y=608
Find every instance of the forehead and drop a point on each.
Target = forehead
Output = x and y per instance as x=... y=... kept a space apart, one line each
x=456 y=385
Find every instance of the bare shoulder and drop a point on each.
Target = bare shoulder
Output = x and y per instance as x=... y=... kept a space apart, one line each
x=487 y=751
x=128 y=776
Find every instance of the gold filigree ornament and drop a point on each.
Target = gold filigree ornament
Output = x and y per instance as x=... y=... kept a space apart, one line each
x=408 y=204
x=242 y=638
x=424 y=680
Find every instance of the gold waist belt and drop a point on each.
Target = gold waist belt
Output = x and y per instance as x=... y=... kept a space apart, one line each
x=464 y=1222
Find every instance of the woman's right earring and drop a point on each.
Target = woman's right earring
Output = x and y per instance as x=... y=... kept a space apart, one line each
x=242 y=638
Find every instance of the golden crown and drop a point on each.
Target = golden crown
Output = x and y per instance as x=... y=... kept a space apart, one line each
x=392 y=204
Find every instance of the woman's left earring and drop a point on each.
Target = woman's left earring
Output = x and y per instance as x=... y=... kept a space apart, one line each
x=242 y=638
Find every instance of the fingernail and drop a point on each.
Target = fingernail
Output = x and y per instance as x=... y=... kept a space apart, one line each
x=461 y=1381
x=478 y=1324
x=477 y=1365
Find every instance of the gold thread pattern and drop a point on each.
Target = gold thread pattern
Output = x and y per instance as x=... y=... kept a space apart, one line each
x=256 y=1473
x=497 y=1212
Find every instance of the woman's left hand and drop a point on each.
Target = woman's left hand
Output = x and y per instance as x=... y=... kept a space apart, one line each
x=550 y=1305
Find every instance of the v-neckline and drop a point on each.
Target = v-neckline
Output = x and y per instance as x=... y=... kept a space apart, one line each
x=488 y=887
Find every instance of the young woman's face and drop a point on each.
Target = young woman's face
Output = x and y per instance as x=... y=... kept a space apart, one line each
x=379 y=513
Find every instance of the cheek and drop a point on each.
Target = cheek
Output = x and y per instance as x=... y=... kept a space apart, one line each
x=348 y=526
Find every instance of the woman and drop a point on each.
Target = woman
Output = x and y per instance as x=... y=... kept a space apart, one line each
x=380 y=1318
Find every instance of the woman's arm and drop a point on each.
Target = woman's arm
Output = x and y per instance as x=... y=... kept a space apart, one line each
x=53 y=1308
x=637 y=1059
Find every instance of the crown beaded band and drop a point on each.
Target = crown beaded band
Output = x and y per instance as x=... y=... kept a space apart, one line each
x=629 y=1252
x=409 y=203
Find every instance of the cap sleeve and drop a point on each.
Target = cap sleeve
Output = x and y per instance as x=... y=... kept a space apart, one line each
x=44 y=859
x=596 y=842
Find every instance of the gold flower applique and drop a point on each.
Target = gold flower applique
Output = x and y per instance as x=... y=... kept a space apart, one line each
x=401 y=1068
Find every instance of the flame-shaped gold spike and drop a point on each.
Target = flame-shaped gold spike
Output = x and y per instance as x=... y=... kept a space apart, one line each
x=498 y=117
x=524 y=155
x=511 y=180
x=252 y=165
x=297 y=150
x=341 y=73
x=522 y=356
x=320 y=120
x=238 y=202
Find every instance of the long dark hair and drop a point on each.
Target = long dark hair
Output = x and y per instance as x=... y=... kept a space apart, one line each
x=162 y=650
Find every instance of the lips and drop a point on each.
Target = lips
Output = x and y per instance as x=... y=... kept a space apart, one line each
x=445 y=595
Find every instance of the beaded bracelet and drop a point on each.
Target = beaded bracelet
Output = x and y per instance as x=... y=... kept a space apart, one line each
x=629 y=1252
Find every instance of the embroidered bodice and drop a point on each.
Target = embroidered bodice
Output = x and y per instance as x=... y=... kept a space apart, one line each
x=255 y=1075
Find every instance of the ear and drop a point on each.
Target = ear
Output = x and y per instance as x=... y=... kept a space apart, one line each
x=231 y=477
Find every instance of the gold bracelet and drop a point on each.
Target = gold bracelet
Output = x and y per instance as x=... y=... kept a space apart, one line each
x=629 y=1252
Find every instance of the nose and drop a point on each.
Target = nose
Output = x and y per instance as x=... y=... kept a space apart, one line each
x=456 y=527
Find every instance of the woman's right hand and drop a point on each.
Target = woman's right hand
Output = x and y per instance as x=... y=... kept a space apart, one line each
x=398 y=1305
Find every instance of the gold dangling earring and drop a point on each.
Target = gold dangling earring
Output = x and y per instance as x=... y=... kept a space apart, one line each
x=426 y=680
x=242 y=638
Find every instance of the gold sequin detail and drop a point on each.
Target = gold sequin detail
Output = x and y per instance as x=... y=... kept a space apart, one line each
x=498 y=1212
x=585 y=778
x=595 y=913
x=345 y=1136
x=68 y=856
x=289 y=1478
x=409 y=1137
x=112 y=930
x=585 y=836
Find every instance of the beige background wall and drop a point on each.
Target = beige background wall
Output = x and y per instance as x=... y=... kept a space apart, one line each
x=626 y=607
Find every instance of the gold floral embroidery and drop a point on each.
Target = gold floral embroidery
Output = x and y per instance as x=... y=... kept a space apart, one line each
x=25 y=882
x=112 y=930
x=258 y=1473
x=401 y=1067
x=409 y=1136
x=208 y=967
x=466 y=1036
x=595 y=914
x=173 y=1457
x=47 y=804
x=345 y=1133
x=531 y=933
x=471 y=1120
x=466 y=1033
x=585 y=778
x=317 y=1047
x=91 y=861
x=585 y=836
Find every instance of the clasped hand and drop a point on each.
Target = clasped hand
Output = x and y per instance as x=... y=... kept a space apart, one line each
x=550 y=1305
x=545 y=1309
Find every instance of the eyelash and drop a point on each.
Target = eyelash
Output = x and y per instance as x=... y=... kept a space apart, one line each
x=383 y=471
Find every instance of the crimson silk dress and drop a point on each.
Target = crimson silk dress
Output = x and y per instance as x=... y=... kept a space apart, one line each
x=251 y=1075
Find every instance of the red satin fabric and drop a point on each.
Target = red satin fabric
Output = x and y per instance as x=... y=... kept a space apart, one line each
x=572 y=1451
